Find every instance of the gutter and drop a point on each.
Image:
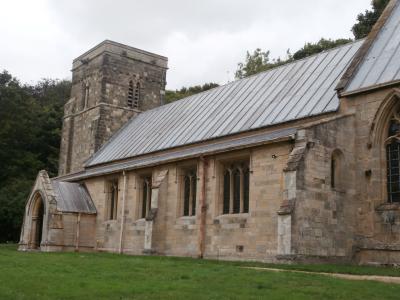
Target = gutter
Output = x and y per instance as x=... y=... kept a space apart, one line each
x=121 y=235
x=203 y=208
x=370 y=88
x=78 y=225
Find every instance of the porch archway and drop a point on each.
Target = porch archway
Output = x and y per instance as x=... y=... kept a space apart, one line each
x=36 y=219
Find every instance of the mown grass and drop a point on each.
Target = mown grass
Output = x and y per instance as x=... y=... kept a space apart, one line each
x=111 y=276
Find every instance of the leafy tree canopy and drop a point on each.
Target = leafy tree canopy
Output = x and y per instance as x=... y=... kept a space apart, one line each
x=30 y=125
x=367 y=19
x=171 y=96
x=322 y=45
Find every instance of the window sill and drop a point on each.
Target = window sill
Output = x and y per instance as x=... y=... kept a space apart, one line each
x=242 y=215
x=140 y=221
x=240 y=219
x=388 y=206
x=107 y=222
x=187 y=217
x=186 y=220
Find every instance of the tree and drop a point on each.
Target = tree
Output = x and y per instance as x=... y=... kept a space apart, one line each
x=30 y=125
x=259 y=61
x=171 y=96
x=366 y=20
x=321 y=45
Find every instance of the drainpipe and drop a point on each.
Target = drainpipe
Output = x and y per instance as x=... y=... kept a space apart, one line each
x=121 y=236
x=203 y=208
x=78 y=225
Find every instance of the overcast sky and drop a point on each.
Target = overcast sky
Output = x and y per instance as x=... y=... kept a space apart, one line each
x=203 y=39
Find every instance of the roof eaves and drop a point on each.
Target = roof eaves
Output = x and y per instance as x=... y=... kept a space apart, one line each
x=182 y=154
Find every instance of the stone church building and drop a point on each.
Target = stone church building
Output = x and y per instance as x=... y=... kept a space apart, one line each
x=298 y=163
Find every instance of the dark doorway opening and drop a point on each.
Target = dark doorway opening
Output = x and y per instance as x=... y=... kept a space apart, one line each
x=37 y=223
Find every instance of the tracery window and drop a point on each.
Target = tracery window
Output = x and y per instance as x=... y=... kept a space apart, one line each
x=392 y=158
x=112 y=199
x=146 y=196
x=189 y=192
x=236 y=181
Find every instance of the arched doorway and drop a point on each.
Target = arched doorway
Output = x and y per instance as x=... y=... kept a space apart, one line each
x=37 y=213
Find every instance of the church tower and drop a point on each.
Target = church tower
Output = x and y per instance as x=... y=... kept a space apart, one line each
x=110 y=84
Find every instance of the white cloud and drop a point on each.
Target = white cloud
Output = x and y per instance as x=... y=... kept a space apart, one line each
x=204 y=40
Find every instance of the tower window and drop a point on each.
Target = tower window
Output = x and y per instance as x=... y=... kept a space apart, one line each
x=130 y=94
x=133 y=94
x=236 y=188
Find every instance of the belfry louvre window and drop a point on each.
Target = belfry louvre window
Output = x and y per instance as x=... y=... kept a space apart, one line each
x=393 y=165
x=112 y=200
x=145 y=196
x=189 y=192
x=236 y=181
x=133 y=94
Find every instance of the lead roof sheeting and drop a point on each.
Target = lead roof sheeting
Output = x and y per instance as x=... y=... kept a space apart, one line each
x=300 y=89
x=73 y=197
x=381 y=64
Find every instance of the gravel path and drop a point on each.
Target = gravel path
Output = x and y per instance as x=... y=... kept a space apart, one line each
x=386 y=279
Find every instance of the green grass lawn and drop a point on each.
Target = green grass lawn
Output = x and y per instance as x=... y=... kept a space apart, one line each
x=111 y=276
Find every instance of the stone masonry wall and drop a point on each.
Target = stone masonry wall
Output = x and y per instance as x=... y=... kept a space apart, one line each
x=378 y=222
x=324 y=216
x=241 y=236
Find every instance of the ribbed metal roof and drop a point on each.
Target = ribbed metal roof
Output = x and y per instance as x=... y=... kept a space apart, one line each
x=381 y=63
x=300 y=89
x=73 y=197
x=213 y=147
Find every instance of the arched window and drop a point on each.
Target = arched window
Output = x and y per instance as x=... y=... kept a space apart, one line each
x=189 y=193
x=133 y=94
x=337 y=169
x=236 y=188
x=146 y=196
x=392 y=158
x=85 y=95
x=113 y=200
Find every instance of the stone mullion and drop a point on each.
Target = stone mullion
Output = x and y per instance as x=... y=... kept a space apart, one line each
x=115 y=201
x=231 y=190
